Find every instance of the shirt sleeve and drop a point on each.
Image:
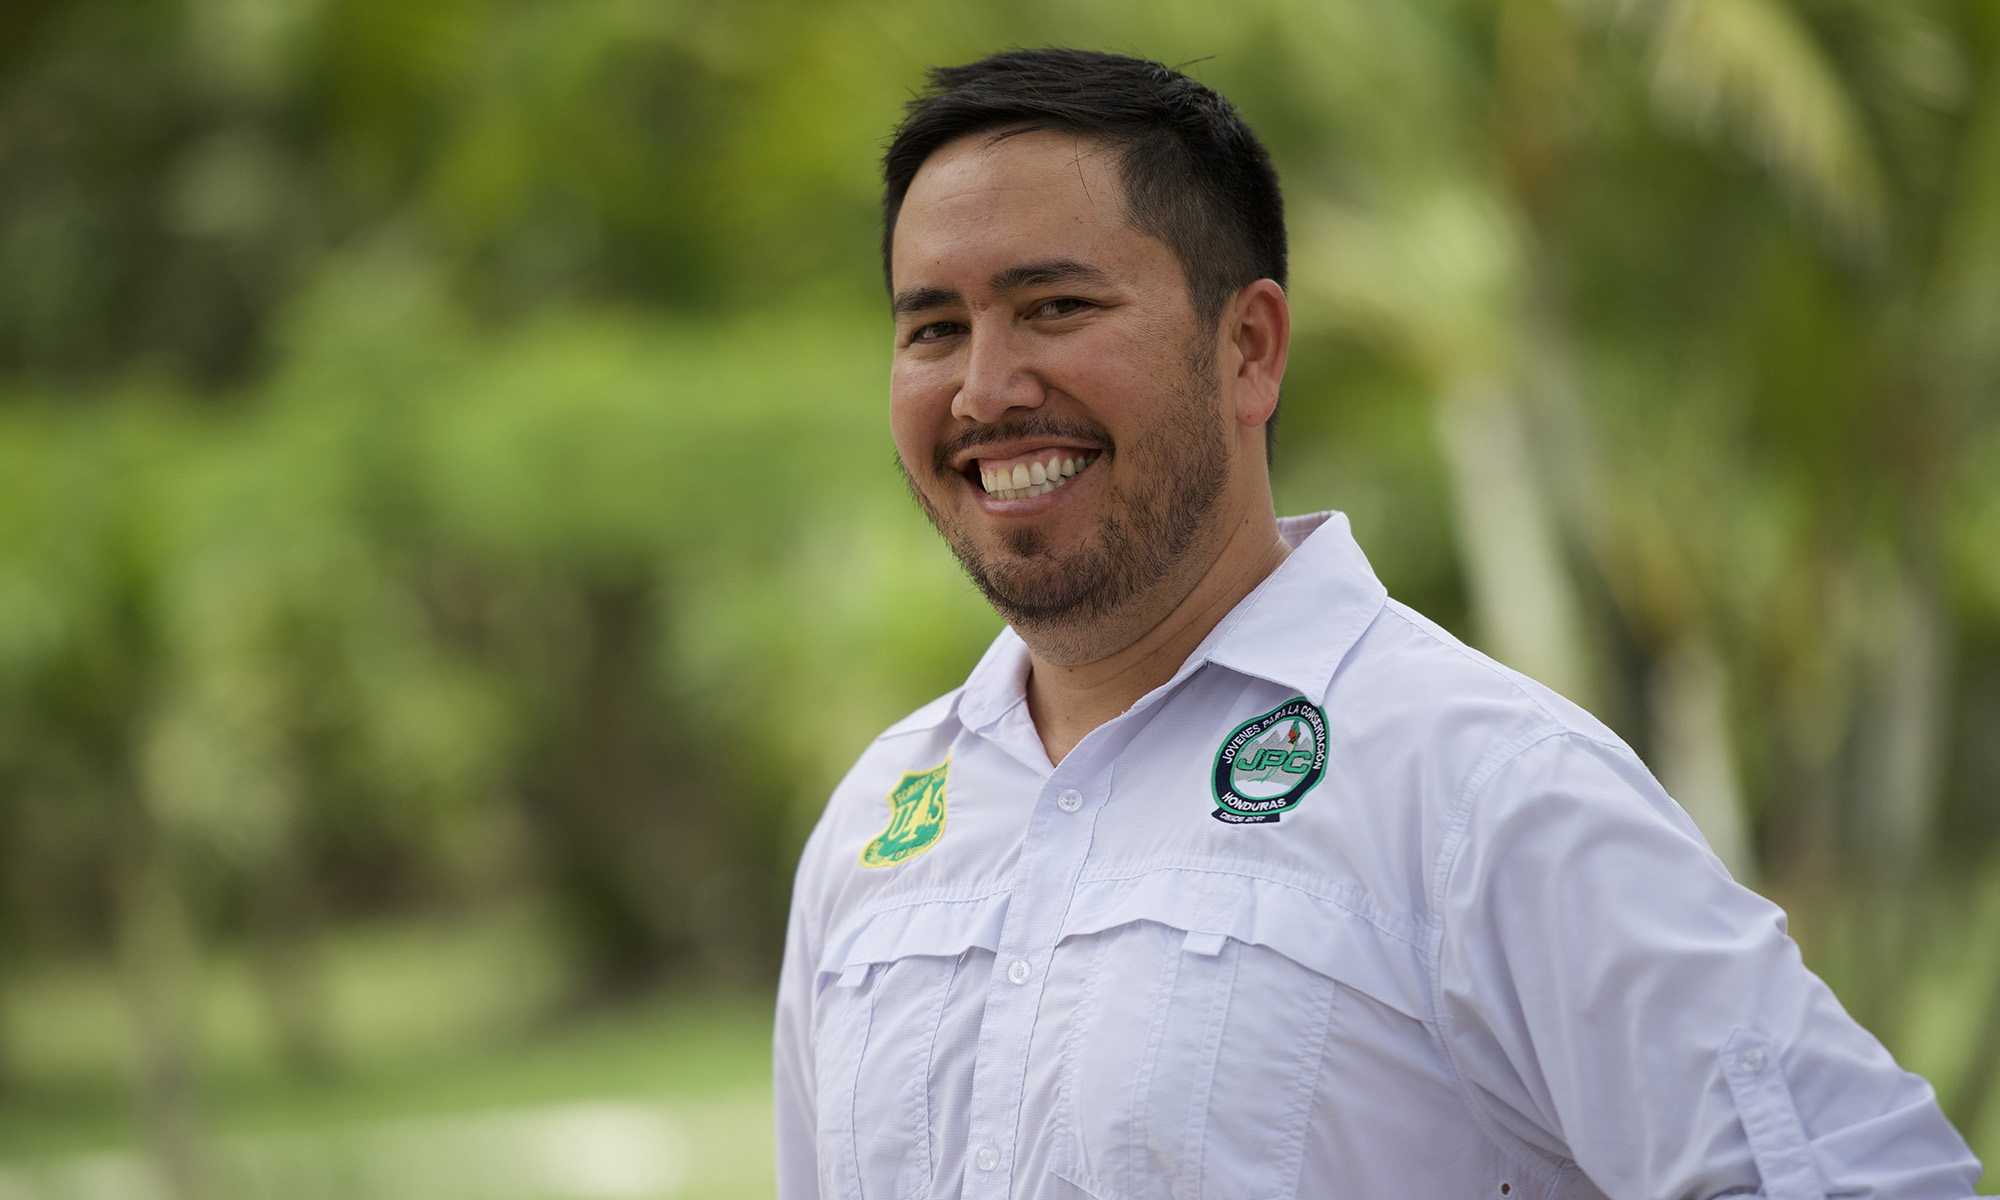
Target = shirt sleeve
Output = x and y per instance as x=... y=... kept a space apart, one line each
x=793 y=1090
x=1608 y=994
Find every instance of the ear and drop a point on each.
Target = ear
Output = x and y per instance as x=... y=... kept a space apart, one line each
x=1256 y=336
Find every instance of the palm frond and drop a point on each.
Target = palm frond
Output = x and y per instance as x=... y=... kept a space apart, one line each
x=1751 y=67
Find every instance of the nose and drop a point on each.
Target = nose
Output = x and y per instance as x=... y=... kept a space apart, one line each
x=999 y=375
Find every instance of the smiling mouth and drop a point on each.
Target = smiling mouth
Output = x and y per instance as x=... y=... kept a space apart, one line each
x=1037 y=477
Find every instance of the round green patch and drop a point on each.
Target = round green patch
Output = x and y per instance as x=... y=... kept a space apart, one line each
x=1268 y=763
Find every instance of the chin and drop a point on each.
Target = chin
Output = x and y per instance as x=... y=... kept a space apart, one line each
x=1040 y=590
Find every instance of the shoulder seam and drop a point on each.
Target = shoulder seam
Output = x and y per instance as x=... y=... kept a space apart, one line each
x=1421 y=624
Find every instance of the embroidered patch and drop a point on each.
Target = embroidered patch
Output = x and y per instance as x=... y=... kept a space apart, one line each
x=916 y=818
x=1269 y=763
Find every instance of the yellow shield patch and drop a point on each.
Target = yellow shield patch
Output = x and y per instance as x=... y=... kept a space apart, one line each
x=916 y=818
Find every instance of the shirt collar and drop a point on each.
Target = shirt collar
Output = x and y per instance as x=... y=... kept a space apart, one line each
x=1292 y=629
x=997 y=684
x=1297 y=626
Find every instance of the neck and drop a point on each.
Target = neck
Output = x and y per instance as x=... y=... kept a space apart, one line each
x=1068 y=699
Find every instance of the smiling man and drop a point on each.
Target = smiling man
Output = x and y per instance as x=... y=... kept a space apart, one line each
x=1224 y=875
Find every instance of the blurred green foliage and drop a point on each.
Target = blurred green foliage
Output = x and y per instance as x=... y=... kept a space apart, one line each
x=443 y=457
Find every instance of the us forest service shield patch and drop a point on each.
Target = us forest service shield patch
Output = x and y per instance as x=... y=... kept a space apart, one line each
x=1268 y=764
x=916 y=818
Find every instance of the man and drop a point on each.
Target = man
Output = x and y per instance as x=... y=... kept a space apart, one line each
x=1224 y=875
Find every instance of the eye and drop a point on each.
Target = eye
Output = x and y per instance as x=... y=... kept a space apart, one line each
x=1061 y=306
x=935 y=330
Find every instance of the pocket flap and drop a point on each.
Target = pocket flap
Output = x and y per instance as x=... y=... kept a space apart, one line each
x=932 y=928
x=1317 y=933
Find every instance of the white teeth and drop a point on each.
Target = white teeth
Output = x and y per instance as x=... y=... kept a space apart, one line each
x=1027 y=480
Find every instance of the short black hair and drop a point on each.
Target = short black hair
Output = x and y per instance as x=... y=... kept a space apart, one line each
x=1195 y=175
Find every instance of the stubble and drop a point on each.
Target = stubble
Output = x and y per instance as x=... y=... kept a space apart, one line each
x=1177 y=471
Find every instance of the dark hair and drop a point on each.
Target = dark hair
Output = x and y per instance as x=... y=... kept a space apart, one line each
x=1195 y=175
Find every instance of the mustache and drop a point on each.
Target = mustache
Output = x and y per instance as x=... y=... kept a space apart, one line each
x=1033 y=425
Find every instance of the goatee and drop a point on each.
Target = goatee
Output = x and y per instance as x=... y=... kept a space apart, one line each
x=1178 y=469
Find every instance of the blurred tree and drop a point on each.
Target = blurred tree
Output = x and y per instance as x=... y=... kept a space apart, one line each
x=441 y=448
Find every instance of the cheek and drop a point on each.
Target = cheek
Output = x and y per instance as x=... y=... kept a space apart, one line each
x=1121 y=372
x=916 y=415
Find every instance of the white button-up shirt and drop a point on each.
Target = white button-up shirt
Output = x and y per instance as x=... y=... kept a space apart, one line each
x=1344 y=909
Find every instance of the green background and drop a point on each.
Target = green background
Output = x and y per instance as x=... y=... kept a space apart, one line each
x=450 y=541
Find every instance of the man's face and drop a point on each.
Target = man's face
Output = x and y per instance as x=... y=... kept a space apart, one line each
x=1053 y=399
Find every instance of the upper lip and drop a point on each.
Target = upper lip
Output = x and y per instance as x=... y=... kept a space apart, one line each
x=965 y=459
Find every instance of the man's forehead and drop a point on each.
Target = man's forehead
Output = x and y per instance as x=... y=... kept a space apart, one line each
x=1029 y=193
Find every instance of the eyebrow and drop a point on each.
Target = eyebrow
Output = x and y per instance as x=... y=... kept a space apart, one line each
x=1036 y=274
x=919 y=299
x=1041 y=274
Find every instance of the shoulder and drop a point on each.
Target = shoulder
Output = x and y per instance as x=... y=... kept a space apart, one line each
x=860 y=804
x=915 y=743
x=1411 y=691
x=1465 y=741
x=918 y=742
x=1406 y=656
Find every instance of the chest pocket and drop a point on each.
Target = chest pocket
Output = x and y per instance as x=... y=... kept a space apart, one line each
x=1194 y=1055
x=883 y=987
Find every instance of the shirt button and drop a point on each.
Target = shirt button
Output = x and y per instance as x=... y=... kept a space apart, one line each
x=1750 y=1061
x=1070 y=800
x=987 y=1158
x=1017 y=972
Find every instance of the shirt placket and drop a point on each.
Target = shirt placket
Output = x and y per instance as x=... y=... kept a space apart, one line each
x=1053 y=853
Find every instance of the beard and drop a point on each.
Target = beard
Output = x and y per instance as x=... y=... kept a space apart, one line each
x=1180 y=469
